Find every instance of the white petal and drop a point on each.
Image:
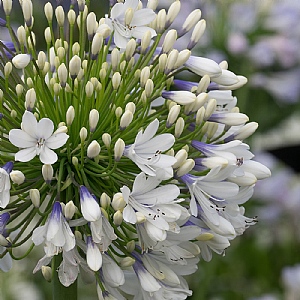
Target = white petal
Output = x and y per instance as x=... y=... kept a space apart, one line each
x=21 y=139
x=161 y=142
x=112 y=272
x=45 y=128
x=5 y=262
x=130 y=4
x=26 y=154
x=142 y=17
x=48 y=156
x=155 y=233
x=139 y=32
x=57 y=140
x=148 y=133
x=4 y=198
x=117 y=10
x=29 y=124
x=129 y=214
x=38 y=235
x=120 y=40
x=93 y=257
x=69 y=237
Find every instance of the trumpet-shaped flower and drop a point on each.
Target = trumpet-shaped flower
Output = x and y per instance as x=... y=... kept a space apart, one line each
x=56 y=232
x=37 y=138
x=5 y=184
x=156 y=204
x=89 y=206
x=146 y=150
x=128 y=21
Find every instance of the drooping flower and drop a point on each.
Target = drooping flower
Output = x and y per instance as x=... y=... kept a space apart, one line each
x=127 y=21
x=146 y=150
x=37 y=138
x=56 y=232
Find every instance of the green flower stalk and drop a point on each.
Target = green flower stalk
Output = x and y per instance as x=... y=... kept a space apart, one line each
x=109 y=160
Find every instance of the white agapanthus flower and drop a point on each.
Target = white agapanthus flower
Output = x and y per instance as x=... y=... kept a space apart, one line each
x=127 y=21
x=56 y=232
x=5 y=184
x=37 y=138
x=158 y=205
x=146 y=150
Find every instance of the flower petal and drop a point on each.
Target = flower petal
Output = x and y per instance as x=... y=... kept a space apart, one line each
x=48 y=156
x=25 y=155
x=21 y=139
x=142 y=17
x=29 y=124
x=45 y=128
x=56 y=140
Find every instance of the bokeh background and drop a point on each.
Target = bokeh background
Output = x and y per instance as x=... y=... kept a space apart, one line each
x=260 y=39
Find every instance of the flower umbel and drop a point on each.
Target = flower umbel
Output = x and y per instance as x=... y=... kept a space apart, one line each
x=136 y=170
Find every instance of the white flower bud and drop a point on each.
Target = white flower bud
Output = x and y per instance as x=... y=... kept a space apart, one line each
x=210 y=108
x=140 y=217
x=169 y=41
x=130 y=48
x=126 y=119
x=47 y=273
x=119 y=149
x=118 y=112
x=181 y=157
x=93 y=119
x=149 y=86
x=48 y=9
x=115 y=59
x=96 y=45
x=75 y=161
x=41 y=60
x=47 y=172
x=162 y=62
x=182 y=58
x=145 y=42
x=118 y=202
x=61 y=53
x=173 y=114
x=91 y=25
x=161 y=21
x=30 y=99
x=89 y=89
x=27 y=12
x=152 y=4
x=118 y=218
x=186 y=167
x=130 y=246
x=69 y=210
x=105 y=200
x=129 y=13
x=106 y=138
x=74 y=66
x=34 y=195
x=21 y=34
x=7 y=69
x=21 y=61
x=245 y=131
x=212 y=127
x=7 y=6
x=19 y=89
x=60 y=16
x=116 y=80
x=17 y=176
x=203 y=84
x=104 y=30
x=71 y=17
x=93 y=149
x=81 y=5
x=200 y=115
x=62 y=73
x=197 y=34
x=130 y=106
x=127 y=262
x=70 y=115
x=171 y=61
x=83 y=134
x=47 y=35
x=145 y=75
x=179 y=126
x=173 y=12
x=190 y=21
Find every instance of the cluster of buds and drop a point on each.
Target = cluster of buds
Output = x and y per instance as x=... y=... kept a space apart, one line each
x=121 y=168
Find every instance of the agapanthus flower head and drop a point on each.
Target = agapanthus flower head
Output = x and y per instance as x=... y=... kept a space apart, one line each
x=135 y=171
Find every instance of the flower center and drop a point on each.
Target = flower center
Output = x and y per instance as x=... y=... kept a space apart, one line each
x=39 y=145
x=239 y=161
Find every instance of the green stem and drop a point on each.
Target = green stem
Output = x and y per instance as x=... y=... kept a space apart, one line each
x=60 y=292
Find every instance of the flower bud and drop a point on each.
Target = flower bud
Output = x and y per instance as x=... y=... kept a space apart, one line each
x=179 y=126
x=127 y=262
x=60 y=16
x=91 y=25
x=96 y=45
x=130 y=246
x=169 y=41
x=47 y=172
x=93 y=119
x=70 y=115
x=126 y=119
x=48 y=10
x=7 y=69
x=186 y=167
x=140 y=217
x=83 y=134
x=34 y=195
x=173 y=114
x=21 y=61
x=210 y=108
x=161 y=21
x=7 y=6
x=89 y=89
x=145 y=42
x=118 y=202
x=118 y=218
x=47 y=273
x=17 y=176
x=21 y=34
x=181 y=157
x=62 y=73
x=105 y=200
x=104 y=30
x=190 y=21
x=172 y=12
x=93 y=149
x=19 y=89
x=69 y=210
x=197 y=34
x=27 y=12
x=106 y=138
x=130 y=48
x=116 y=80
x=74 y=66
x=145 y=75
x=119 y=149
